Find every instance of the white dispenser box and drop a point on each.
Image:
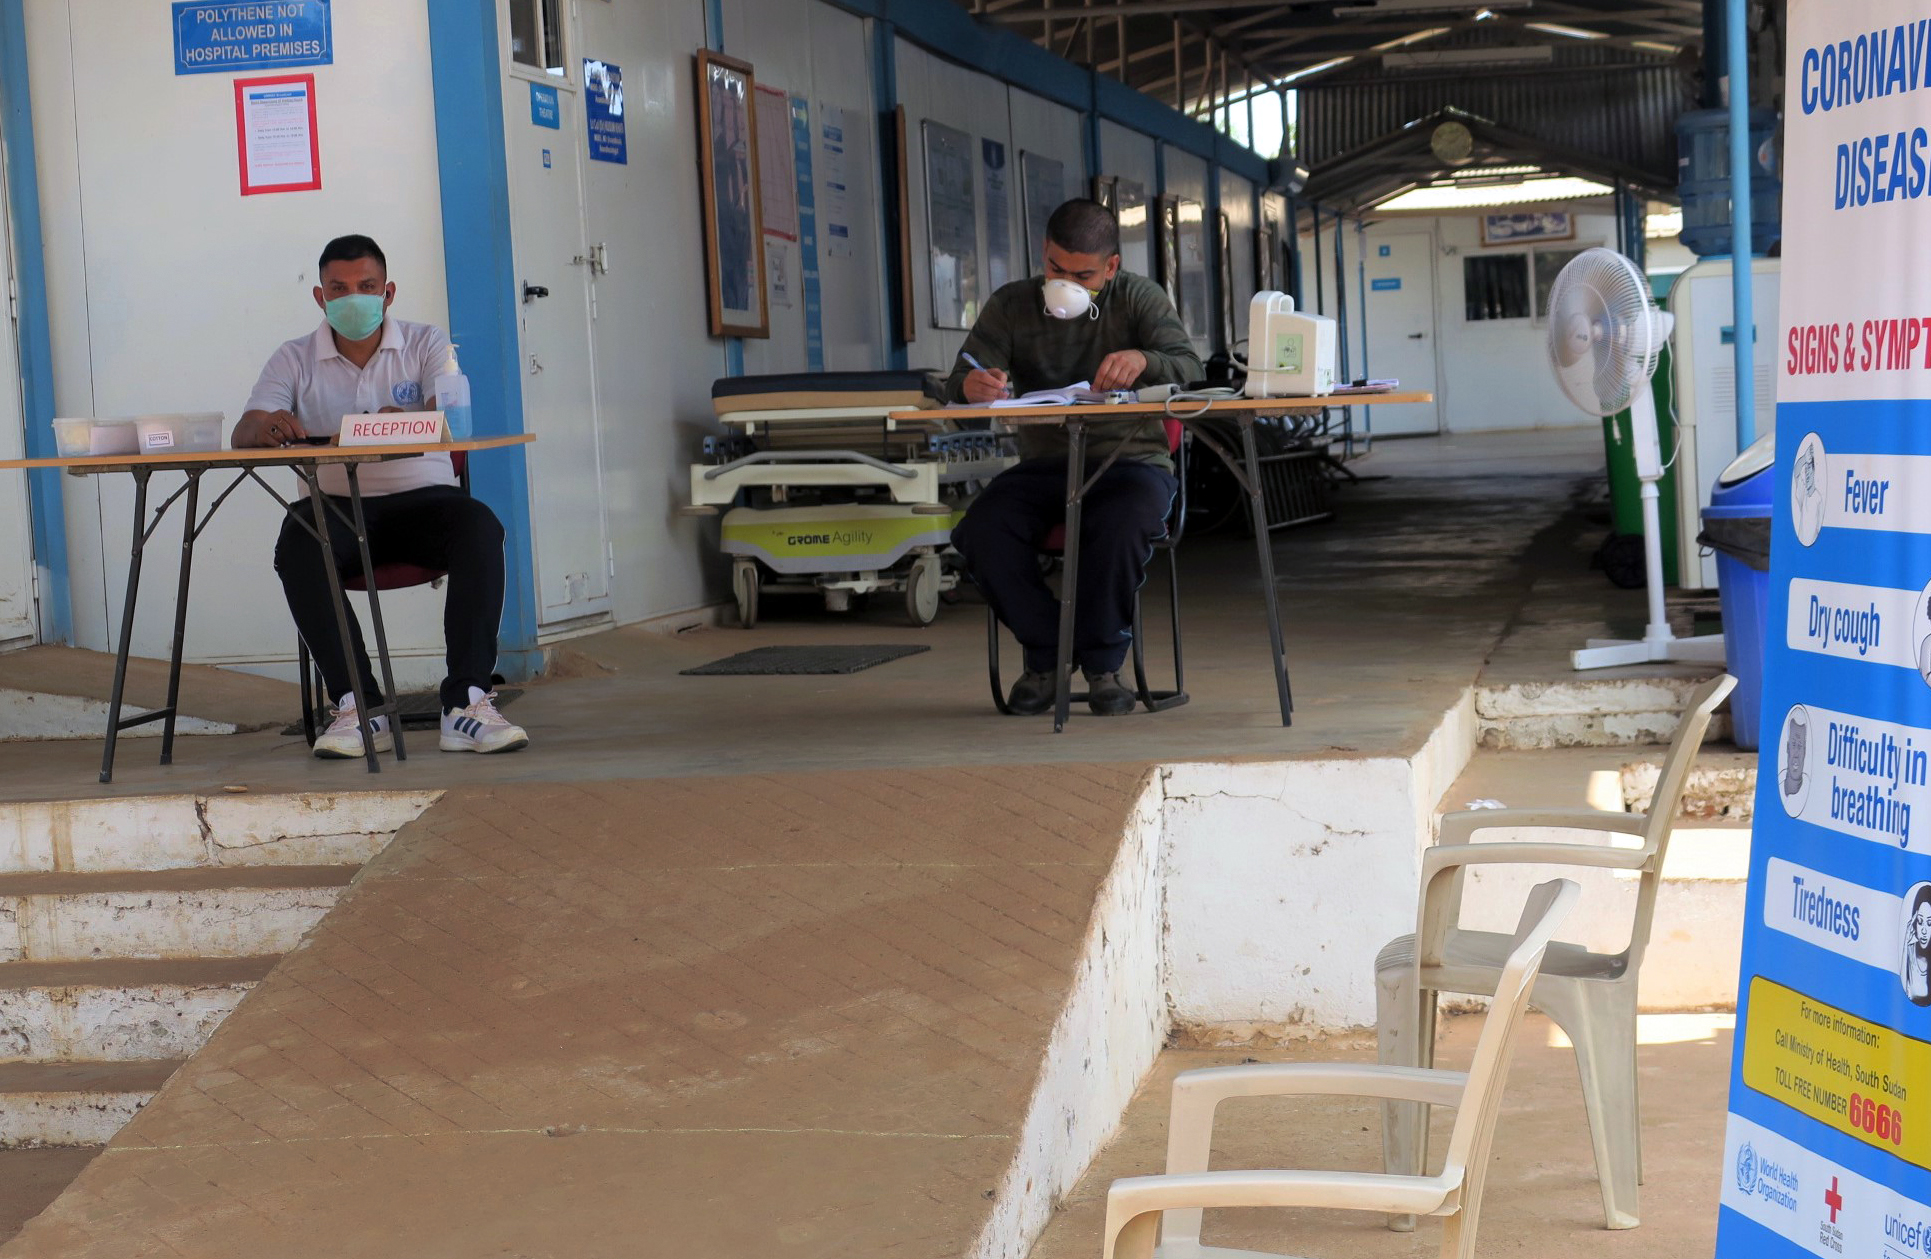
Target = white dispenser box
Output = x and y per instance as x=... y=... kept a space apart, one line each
x=1289 y=354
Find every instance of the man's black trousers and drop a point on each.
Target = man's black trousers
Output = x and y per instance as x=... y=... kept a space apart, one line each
x=1120 y=519
x=439 y=527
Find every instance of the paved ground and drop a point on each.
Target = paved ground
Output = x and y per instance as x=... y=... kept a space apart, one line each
x=792 y=1014
x=1542 y=1199
x=1391 y=612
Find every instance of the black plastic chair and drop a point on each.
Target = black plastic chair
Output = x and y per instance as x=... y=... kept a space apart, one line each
x=1152 y=700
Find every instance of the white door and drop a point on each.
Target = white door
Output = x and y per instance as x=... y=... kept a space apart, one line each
x=1401 y=327
x=557 y=297
x=17 y=611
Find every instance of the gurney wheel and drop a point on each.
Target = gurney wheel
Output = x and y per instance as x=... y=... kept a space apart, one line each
x=745 y=581
x=922 y=590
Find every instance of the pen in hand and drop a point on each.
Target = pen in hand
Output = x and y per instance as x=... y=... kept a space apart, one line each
x=976 y=365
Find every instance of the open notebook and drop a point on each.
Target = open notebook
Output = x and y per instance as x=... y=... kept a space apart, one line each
x=1068 y=396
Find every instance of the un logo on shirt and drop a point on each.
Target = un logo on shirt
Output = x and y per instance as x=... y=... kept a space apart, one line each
x=407 y=394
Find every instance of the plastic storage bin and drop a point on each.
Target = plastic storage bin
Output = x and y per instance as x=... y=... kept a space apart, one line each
x=1736 y=525
x=95 y=437
x=1703 y=182
x=198 y=433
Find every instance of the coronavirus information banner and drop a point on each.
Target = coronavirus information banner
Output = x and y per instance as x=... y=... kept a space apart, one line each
x=1829 y=1134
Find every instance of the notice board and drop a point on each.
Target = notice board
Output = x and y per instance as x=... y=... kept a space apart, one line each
x=1828 y=1141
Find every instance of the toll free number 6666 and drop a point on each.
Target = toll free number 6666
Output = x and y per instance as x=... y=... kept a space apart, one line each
x=1876 y=1118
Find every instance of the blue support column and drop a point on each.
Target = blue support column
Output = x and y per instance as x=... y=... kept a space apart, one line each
x=467 y=86
x=49 y=522
x=1743 y=316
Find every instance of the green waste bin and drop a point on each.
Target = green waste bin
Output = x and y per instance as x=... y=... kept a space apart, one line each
x=1625 y=491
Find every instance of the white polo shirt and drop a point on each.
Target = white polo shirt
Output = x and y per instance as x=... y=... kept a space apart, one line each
x=309 y=377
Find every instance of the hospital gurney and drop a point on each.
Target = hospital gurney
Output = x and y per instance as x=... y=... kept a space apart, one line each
x=823 y=491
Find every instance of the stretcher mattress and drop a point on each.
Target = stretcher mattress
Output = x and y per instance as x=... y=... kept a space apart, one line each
x=791 y=390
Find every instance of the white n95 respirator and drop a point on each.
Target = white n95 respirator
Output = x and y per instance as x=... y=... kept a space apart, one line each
x=1067 y=300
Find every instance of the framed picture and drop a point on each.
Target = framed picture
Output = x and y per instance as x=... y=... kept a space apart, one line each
x=1224 y=238
x=1137 y=248
x=1166 y=246
x=1192 y=277
x=1106 y=191
x=908 y=324
x=1044 y=188
x=952 y=225
x=727 y=143
x=1267 y=257
x=1528 y=225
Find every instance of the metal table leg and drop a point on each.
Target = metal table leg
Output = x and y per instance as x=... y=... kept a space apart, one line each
x=1069 y=569
x=391 y=706
x=319 y=509
x=1264 y=548
x=127 y=622
x=189 y=531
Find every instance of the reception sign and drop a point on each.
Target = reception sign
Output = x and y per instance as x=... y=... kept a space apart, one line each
x=1828 y=1150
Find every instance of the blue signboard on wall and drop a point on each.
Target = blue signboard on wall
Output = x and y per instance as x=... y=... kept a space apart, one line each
x=544 y=110
x=603 y=108
x=211 y=37
x=1385 y=284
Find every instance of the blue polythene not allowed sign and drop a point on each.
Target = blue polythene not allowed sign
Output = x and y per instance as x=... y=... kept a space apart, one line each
x=211 y=37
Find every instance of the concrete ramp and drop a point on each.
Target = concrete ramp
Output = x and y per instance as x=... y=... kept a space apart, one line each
x=63 y=693
x=749 y=1016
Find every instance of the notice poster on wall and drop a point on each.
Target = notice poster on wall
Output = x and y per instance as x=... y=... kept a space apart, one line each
x=952 y=226
x=1828 y=1143
x=215 y=36
x=275 y=137
x=1045 y=181
x=835 y=172
x=998 y=214
x=777 y=176
x=603 y=110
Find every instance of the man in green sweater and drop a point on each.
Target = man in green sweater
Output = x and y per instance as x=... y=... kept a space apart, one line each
x=1126 y=336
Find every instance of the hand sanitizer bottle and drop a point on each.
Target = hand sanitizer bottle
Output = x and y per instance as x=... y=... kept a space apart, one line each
x=452 y=397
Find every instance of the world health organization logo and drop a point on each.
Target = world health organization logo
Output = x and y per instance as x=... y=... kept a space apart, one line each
x=1747 y=1168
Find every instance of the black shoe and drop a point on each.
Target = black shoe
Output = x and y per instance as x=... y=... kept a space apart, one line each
x=1032 y=694
x=1107 y=696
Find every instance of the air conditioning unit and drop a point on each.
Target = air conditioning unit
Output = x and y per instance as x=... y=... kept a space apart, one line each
x=1705 y=378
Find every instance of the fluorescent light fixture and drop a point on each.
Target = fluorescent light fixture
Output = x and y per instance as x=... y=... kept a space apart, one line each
x=1403 y=41
x=1386 y=8
x=1463 y=58
x=1529 y=191
x=1567 y=32
x=1489 y=172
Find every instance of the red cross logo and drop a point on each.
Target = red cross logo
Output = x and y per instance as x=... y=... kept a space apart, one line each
x=1833 y=1200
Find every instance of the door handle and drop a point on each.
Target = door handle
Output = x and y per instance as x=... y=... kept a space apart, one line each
x=1416 y=336
x=533 y=291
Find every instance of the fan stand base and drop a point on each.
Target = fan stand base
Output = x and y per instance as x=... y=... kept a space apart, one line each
x=1605 y=653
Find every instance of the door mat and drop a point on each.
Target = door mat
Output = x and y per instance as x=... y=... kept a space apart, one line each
x=775 y=660
x=421 y=710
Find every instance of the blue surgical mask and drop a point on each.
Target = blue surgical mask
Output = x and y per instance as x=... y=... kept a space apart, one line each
x=356 y=315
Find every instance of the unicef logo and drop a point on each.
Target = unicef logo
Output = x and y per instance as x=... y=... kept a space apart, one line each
x=407 y=394
x=1747 y=1168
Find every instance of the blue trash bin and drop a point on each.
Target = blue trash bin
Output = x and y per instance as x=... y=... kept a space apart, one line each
x=1736 y=525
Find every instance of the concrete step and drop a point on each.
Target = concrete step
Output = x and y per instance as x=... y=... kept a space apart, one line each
x=74 y=1103
x=117 y=1011
x=63 y=693
x=171 y=832
x=1608 y=709
x=249 y=911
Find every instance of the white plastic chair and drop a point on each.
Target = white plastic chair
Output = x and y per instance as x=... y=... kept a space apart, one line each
x=1167 y=1209
x=1591 y=996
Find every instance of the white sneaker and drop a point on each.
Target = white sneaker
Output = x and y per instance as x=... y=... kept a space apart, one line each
x=480 y=728
x=342 y=741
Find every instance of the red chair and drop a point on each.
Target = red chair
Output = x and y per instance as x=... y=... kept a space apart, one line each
x=1054 y=547
x=393 y=576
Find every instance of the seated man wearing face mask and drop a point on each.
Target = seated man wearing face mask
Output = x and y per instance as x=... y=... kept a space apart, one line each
x=1126 y=334
x=360 y=360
